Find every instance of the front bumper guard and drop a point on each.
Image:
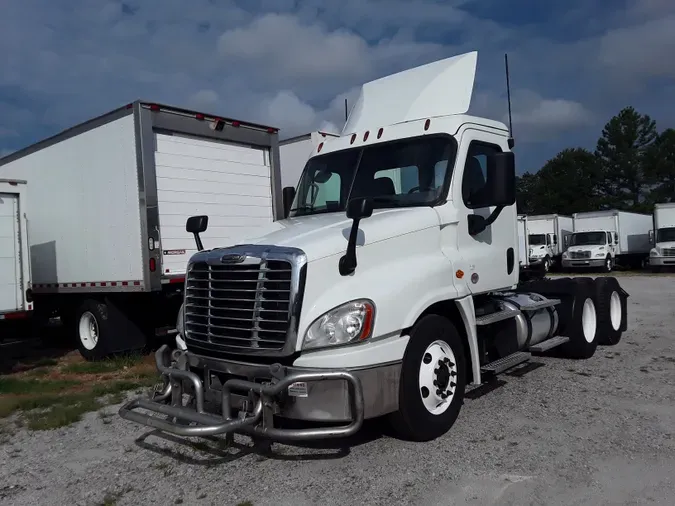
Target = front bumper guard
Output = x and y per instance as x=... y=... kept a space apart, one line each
x=256 y=422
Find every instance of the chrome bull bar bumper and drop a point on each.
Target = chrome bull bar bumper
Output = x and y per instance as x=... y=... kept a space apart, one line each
x=257 y=421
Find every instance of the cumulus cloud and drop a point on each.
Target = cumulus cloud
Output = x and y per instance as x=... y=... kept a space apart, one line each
x=292 y=64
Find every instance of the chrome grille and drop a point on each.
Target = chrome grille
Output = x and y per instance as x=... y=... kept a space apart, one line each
x=668 y=252
x=580 y=254
x=238 y=308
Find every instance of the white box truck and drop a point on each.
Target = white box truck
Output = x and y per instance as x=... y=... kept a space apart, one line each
x=16 y=300
x=109 y=200
x=662 y=237
x=294 y=153
x=548 y=236
x=378 y=301
x=603 y=239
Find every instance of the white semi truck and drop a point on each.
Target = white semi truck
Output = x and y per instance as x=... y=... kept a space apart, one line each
x=377 y=301
x=548 y=236
x=16 y=299
x=603 y=239
x=108 y=204
x=662 y=237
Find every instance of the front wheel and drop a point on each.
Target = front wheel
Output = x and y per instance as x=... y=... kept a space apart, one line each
x=432 y=383
x=547 y=265
x=609 y=264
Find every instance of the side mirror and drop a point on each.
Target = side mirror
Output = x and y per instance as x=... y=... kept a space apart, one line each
x=651 y=237
x=616 y=238
x=195 y=225
x=357 y=209
x=501 y=179
x=555 y=239
x=566 y=240
x=287 y=197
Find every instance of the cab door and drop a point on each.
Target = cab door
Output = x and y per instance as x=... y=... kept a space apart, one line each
x=490 y=258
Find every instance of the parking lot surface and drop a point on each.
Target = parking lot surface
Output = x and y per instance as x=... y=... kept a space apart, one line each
x=598 y=431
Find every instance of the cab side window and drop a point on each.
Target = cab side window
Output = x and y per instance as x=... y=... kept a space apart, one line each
x=475 y=173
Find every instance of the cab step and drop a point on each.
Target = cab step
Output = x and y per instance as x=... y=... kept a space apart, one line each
x=549 y=344
x=490 y=318
x=505 y=363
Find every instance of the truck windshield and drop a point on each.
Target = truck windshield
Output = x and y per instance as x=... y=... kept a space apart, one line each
x=537 y=239
x=405 y=173
x=586 y=238
x=665 y=234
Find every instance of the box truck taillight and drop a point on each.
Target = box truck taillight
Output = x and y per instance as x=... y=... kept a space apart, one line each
x=153 y=264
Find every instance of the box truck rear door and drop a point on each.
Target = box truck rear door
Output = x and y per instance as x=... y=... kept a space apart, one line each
x=11 y=297
x=231 y=183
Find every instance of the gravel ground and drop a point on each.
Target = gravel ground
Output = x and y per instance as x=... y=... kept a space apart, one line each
x=600 y=431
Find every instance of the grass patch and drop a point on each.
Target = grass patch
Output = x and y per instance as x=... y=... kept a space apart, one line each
x=112 y=365
x=60 y=393
x=28 y=385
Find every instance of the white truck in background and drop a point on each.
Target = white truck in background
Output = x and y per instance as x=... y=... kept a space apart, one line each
x=16 y=299
x=603 y=239
x=548 y=235
x=294 y=153
x=378 y=300
x=662 y=237
x=109 y=199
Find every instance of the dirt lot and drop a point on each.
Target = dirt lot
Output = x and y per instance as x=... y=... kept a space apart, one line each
x=600 y=431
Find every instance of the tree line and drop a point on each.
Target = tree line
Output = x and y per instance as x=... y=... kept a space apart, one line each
x=631 y=169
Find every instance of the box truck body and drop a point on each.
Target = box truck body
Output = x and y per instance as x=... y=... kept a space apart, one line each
x=606 y=238
x=663 y=237
x=15 y=275
x=110 y=199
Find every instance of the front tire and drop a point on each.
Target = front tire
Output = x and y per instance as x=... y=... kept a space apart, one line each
x=609 y=264
x=433 y=379
x=547 y=265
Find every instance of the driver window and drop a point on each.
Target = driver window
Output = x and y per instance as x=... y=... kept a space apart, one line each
x=475 y=173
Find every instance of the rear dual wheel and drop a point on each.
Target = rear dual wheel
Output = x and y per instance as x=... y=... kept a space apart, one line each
x=611 y=305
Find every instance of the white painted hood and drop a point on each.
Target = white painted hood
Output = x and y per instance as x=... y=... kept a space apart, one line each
x=323 y=235
x=440 y=88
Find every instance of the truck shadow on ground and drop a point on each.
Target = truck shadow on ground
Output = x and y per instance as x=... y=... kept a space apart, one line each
x=22 y=349
x=215 y=451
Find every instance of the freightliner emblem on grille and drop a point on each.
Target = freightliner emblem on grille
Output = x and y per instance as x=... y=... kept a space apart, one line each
x=232 y=259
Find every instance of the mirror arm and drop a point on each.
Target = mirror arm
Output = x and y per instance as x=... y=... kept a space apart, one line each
x=198 y=240
x=478 y=224
x=347 y=263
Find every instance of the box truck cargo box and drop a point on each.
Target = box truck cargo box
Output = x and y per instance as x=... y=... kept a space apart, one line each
x=110 y=199
x=15 y=279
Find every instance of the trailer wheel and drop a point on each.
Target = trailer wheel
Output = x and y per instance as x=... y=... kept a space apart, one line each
x=611 y=306
x=582 y=326
x=94 y=329
x=432 y=382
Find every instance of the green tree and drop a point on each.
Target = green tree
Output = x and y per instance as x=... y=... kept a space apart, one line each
x=623 y=150
x=566 y=184
x=524 y=192
x=660 y=167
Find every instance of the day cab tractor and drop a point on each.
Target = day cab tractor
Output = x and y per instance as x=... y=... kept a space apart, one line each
x=390 y=288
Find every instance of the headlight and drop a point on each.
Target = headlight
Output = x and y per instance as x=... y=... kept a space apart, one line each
x=180 y=321
x=565 y=255
x=599 y=254
x=654 y=253
x=348 y=323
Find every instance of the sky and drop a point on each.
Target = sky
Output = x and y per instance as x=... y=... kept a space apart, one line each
x=291 y=63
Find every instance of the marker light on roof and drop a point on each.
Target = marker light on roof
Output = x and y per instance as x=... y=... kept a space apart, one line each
x=379 y=132
x=199 y=115
x=365 y=136
x=353 y=139
x=236 y=123
x=154 y=107
x=426 y=124
x=319 y=148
